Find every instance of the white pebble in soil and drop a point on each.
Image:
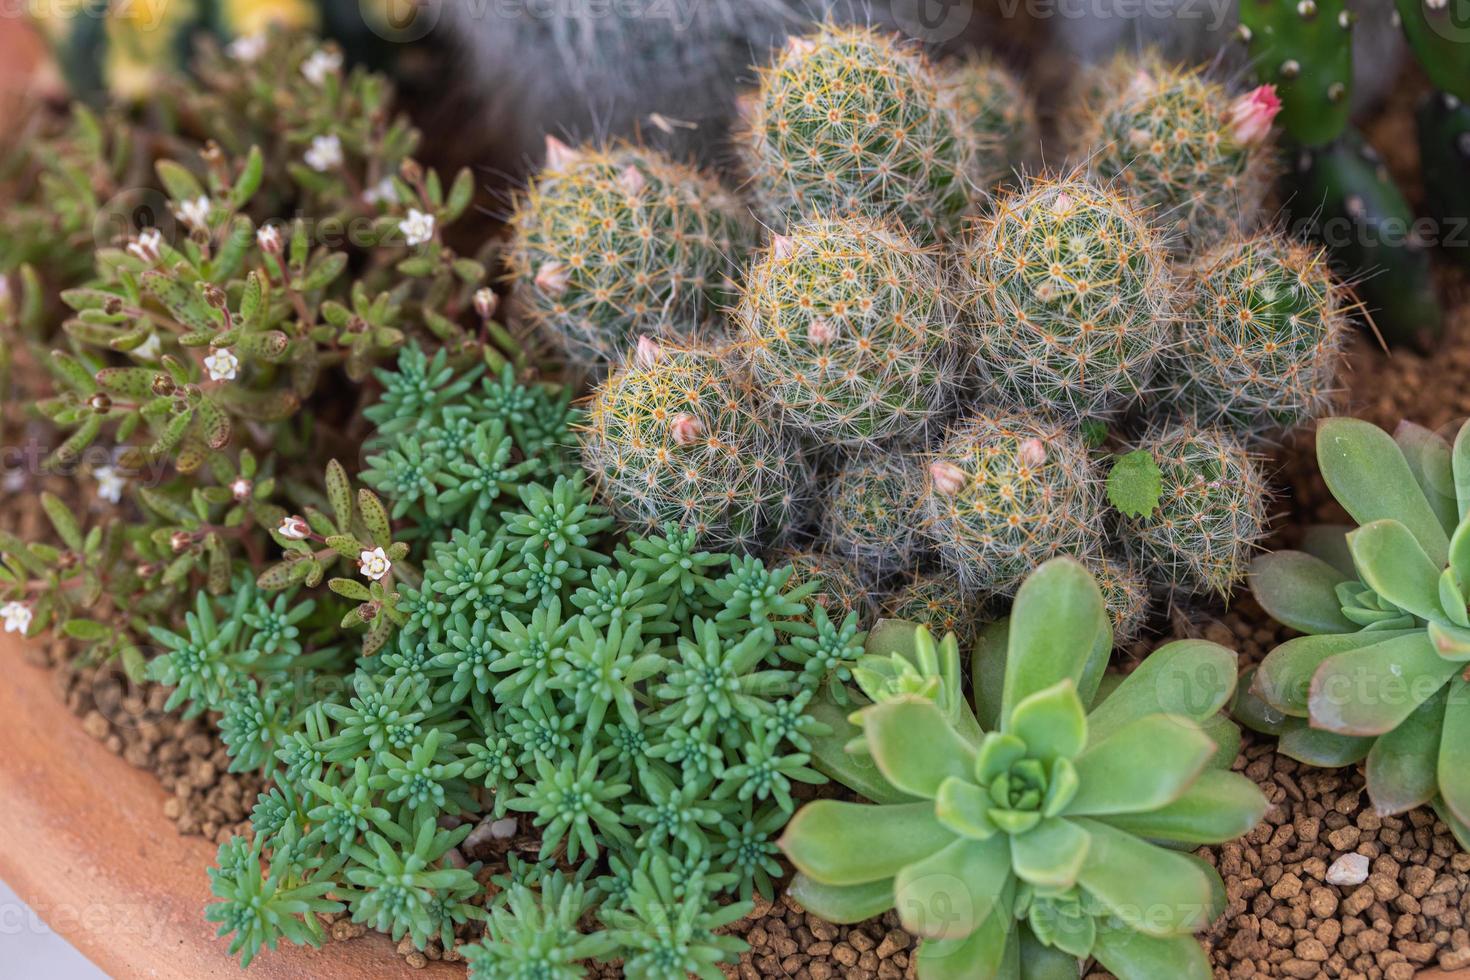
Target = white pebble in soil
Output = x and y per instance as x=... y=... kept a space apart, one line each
x=1350 y=869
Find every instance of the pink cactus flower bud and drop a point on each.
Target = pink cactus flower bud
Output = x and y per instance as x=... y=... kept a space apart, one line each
x=648 y=352
x=1033 y=452
x=1252 y=113
x=486 y=302
x=559 y=156
x=782 y=246
x=631 y=180
x=948 y=478
x=821 y=331
x=686 y=429
x=1062 y=204
x=552 y=278
x=800 y=46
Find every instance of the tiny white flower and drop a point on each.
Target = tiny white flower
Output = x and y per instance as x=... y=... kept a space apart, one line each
x=110 y=483
x=268 y=237
x=222 y=364
x=148 y=246
x=418 y=227
x=193 y=213
x=325 y=153
x=17 y=616
x=294 y=528
x=374 y=564
x=322 y=63
x=383 y=192
x=240 y=489
x=247 y=48
x=150 y=349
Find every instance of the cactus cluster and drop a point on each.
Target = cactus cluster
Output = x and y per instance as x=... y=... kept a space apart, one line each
x=999 y=114
x=903 y=400
x=1261 y=333
x=613 y=243
x=1176 y=141
x=849 y=119
x=671 y=437
x=845 y=326
x=1069 y=284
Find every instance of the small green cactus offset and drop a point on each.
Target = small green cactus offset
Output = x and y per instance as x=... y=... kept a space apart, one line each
x=612 y=243
x=1381 y=672
x=999 y=113
x=840 y=585
x=844 y=325
x=873 y=513
x=1072 y=292
x=1005 y=492
x=848 y=119
x=1260 y=337
x=1194 y=533
x=673 y=436
x=1179 y=143
x=1025 y=830
x=1304 y=48
x=937 y=602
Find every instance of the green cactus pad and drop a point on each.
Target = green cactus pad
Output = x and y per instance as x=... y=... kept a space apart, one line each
x=1304 y=48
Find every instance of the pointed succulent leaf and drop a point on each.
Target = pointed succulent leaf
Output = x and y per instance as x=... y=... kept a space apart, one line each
x=1367 y=473
x=1452 y=597
x=1059 y=630
x=1051 y=722
x=1218 y=806
x=855 y=771
x=1144 y=765
x=1130 y=955
x=1392 y=564
x=1194 y=678
x=1453 y=768
x=843 y=904
x=1401 y=769
x=961 y=806
x=914 y=747
x=1450 y=642
x=1050 y=855
x=988 y=671
x=1372 y=690
x=1284 y=678
x=1460 y=465
x=853 y=843
x=1156 y=891
x=949 y=894
x=1428 y=455
x=1316 y=747
x=1299 y=591
x=990 y=951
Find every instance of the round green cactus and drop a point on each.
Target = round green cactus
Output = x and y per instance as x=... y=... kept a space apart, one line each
x=672 y=436
x=999 y=114
x=845 y=327
x=1006 y=491
x=1125 y=592
x=1072 y=291
x=873 y=513
x=1260 y=337
x=849 y=119
x=840 y=590
x=1210 y=513
x=937 y=602
x=1178 y=143
x=611 y=243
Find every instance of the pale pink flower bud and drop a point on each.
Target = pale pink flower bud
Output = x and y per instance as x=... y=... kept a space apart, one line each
x=1252 y=113
x=821 y=331
x=486 y=302
x=558 y=155
x=948 y=478
x=800 y=46
x=552 y=278
x=1033 y=452
x=631 y=180
x=648 y=352
x=686 y=429
x=782 y=246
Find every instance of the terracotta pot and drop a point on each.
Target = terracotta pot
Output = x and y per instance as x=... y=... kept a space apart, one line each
x=84 y=842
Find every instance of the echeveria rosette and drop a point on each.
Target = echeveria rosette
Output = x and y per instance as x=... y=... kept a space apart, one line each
x=1022 y=837
x=1381 y=674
